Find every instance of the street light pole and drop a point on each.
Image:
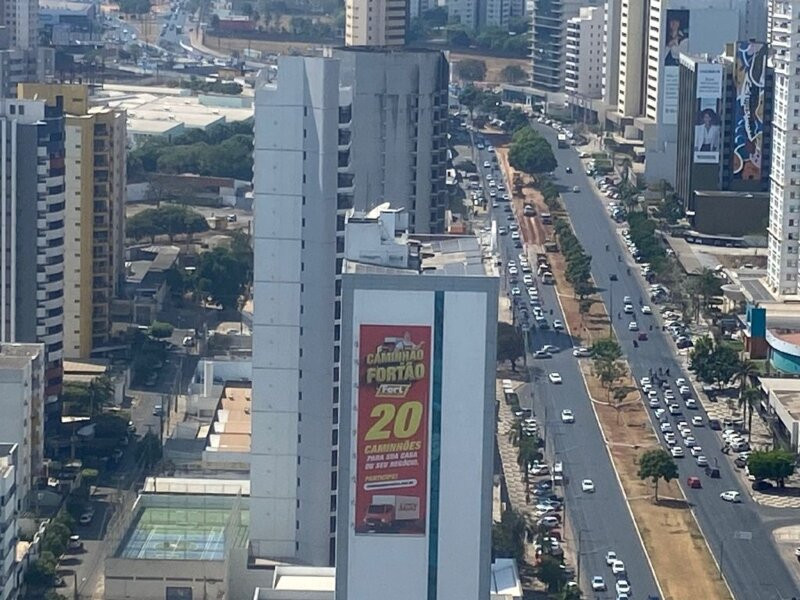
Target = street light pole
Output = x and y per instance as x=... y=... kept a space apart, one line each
x=610 y=305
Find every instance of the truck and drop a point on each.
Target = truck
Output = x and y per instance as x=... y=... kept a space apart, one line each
x=562 y=140
x=387 y=512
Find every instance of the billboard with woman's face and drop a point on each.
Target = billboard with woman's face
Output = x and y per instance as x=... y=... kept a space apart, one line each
x=748 y=110
x=675 y=35
x=707 y=125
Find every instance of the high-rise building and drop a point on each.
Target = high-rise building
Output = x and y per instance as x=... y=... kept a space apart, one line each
x=21 y=57
x=397 y=147
x=295 y=321
x=32 y=203
x=783 y=232
x=417 y=414
x=463 y=12
x=496 y=13
x=548 y=41
x=724 y=139
x=612 y=21
x=585 y=53
x=9 y=509
x=21 y=19
x=22 y=404
x=375 y=22
x=95 y=155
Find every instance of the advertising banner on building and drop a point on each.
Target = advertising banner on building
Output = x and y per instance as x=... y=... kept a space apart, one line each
x=676 y=40
x=748 y=110
x=707 y=125
x=392 y=431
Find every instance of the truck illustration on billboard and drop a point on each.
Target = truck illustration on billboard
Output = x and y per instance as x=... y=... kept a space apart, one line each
x=392 y=513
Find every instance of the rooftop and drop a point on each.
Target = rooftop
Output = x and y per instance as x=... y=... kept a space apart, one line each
x=786 y=391
x=230 y=429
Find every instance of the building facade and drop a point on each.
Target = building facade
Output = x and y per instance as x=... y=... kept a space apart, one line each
x=585 y=53
x=612 y=21
x=548 y=41
x=784 y=209
x=416 y=445
x=22 y=403
x=9 y=507
x=297 y=145
x=95 y=159
x=397 y=148
x=464 y=12
x=724 y=139
x=496 y=13
x=375 y=22
x=32 y=214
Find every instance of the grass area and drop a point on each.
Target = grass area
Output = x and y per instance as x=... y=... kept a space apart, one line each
x=682 y=562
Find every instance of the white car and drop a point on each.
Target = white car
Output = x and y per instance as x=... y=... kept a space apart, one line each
x=618 y=567
x=515 y=291
x=567 y=416
x=550 y=348
x=654 y=403
x=554 y=378
x=587 y=485
x=598 y=584
x=558 y=325
x=701 y=461
x=691 y=403
x=731 y=496
x=581 y=352
x=659 y=412
x=696 y=451
x=623 y=587
x=611 y=557
x=697 y=421
x=677 y=452
x=680 y=382
x=527 y=279
x=690 y=441
x=633 y=326
x=627 y=300
x=512 y=270
x=646 y=310
x=666 y=426
x=669 y=437
x=628 y=309
x=645 y=381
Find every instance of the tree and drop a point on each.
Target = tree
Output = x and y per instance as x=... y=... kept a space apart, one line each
x=510 y=344
x=508 y=536
x=607 y=349
x=550 y=572
x=160 y=330
x=471 y=69
x=528 y=452
x=570 y=593
x=774 y=464
x=149 y=450
x=606 y=364
x=53 y=595
x=42 y=572
x=530 y=152
x=110 y=426
x=222 y=275
x=748 y=400
x=513 y=74
x=169 y=220
x=655 y=465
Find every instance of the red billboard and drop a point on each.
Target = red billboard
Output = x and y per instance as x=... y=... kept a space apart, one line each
x=392 y=432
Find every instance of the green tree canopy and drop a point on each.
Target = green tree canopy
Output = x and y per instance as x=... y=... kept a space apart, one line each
x=513 y=74
x=222 y=275
x=471 y=69
x=655 y=465
x=550 y=572
x=168 y=219
x=531 y=153
x=508 y=536
x=160 y=330
x=607 y=349
x=714 y=363
x=774 y=464
x=510 y=344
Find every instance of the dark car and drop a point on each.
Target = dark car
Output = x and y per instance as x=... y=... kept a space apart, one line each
x=740 y=462
x=642 y=336
x=613 y=277
x=712 y=472
x=715 y=424
x=762 y=485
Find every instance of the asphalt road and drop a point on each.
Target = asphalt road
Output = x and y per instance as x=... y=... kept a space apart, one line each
x=599 y=521
x=738 y=534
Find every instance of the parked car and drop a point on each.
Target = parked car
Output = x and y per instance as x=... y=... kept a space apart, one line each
x=694 y=482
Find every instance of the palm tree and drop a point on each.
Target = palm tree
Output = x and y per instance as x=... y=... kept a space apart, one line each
x=748 y=399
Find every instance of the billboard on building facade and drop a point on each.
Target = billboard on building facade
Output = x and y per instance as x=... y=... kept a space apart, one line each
x=676 y=40
x=707 y=126
x=748 y=110
x=392 y=430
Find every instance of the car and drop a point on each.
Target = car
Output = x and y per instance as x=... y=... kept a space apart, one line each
x=542 y=354
x=581 y=352
x=633 y=326
x=75 y=543
x=646 y=310
x=558 y=325
x=623 y=587
x=550 y=348
x=691 y=403
x=627 y=309
x=677 y=452
x=701 y=461
x=659 y=412
x=654 y=402
x=618 y=567
x=666 y=426
x=567 y=416
x=611 y=557
x=527 y=279
x=86 y=517
x=188 y=341
x=669 y=437
x=587 y=485
x=712 y=472
x=715 y=424
x=515 y=235
x=554 y=378
x=760 y=485
x=697 y=421
x=515 y=291
x=690 y=441
x=674 y=409
x=694 y=482
x=502 y=231
x=157 y=410
x=538 y=469
x=576 y=189
x=549 y=521
x=627 y=300
x=598 y=584
x=731 y=496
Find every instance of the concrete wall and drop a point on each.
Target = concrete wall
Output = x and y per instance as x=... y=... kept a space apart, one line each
x=149 y=579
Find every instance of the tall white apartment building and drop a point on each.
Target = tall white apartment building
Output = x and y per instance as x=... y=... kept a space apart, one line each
x=21 y=17
x=297 y=145
x=548 y=41
x=612 y=20
x=375 y=22
x=496 y=13
x=783 y=231
x=32 y=204
x=22 y=407
x=585 y=53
